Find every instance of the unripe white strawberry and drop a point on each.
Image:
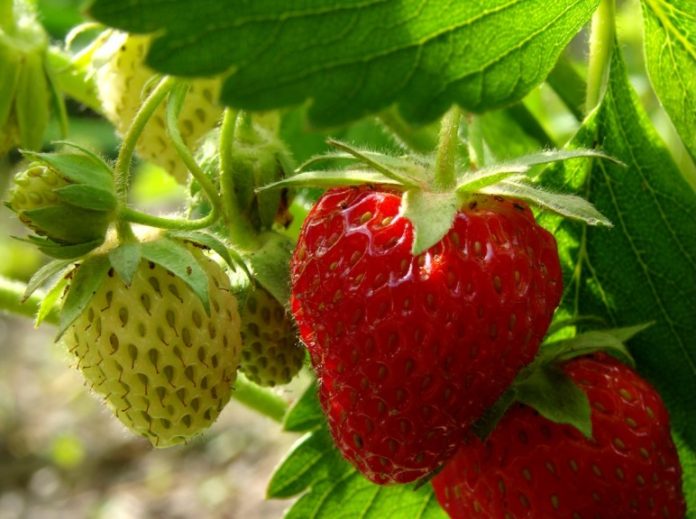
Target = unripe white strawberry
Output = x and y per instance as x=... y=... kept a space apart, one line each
x=163 y=365
x=123 y=81
x=271 y=353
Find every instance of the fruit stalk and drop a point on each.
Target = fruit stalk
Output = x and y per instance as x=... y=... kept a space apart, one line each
x=601 y=43
x=240 y=232
x=419 y=139
x=125 y=154
x=259 y=399
x=11 y=294
x=445 y=177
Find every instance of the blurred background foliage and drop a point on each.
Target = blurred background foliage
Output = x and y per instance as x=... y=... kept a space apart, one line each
x=63 y=455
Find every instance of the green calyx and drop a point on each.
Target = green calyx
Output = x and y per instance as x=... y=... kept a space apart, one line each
x=545 y=387
x=67 y=199
x=436 y=186
x=25 y=99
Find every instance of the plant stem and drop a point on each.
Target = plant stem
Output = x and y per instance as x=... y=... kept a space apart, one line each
x=179 y=224
x=445 y=160
x=174 y=107
x=240 y=231
x=419 y=139
x=125 y=154
x=259 y=399
x=11 y=293
x=601 y=44
x=569 y=85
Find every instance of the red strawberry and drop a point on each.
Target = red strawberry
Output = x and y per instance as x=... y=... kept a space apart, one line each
x=531 y=467
x=409 y=350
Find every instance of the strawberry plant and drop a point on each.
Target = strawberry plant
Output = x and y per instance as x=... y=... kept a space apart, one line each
x=453 y=252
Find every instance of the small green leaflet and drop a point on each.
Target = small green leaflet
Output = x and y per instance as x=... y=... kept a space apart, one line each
x=569 y=206
x=125 y=260
x=670 y=51
x=333 y=178
x=270 y=265
x=431 y=214
x=42 y=275
x=333 y=489
x=422 y=60
x=87 y=197
x=48 y=309
x=305 y=414
x=86 y=282
x=177 y=259
x=556 y=397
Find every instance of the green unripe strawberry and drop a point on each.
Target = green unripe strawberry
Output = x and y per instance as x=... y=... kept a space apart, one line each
x=163 y=365
x=57 y=207
x=271 y=354
x=123 y=82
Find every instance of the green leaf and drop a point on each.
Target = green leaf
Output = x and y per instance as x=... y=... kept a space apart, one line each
x=306 y=413
x=270 y=265
x=50 y=301
x=85 y=283
x=87 y=197
x=335 y=489
x=32 y=102
x=363 y=56
x=556 y=397
x=177 y=259
x=644 y=269
x=311 y=459
x=42 y=275
x=70 y=224
x=670 y=51
x=432 y=216
x=609 y=341
x=333 y=178
x=125 y=260
x=62 y=251
x=79 y=168
x=569 y=206
x=211 y=242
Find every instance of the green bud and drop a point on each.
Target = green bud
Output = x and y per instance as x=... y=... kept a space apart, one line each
x=66 y=206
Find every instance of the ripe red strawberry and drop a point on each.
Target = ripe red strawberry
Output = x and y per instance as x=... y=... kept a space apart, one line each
x=409 y=350
x=531 y=467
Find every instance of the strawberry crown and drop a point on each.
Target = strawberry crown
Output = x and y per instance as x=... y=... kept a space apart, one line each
x=431 y=199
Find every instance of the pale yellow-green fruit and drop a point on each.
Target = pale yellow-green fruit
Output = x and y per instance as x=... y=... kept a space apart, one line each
x=123 y=82
x=271 y=353
x=163 y=365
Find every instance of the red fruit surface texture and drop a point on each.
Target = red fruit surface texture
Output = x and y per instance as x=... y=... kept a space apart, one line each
x=530 y=467
x=409 y=351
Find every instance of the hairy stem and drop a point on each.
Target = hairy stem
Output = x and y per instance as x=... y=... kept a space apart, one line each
x=601 y=44
x=125 y=154
x=179 y=224
x=445 y=160
x=419 y=139
x=240 y=231
x=11 y=293
x=259 y=399
x=173 y=109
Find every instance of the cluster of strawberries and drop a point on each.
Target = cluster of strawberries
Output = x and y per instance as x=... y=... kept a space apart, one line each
x=411 y=350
